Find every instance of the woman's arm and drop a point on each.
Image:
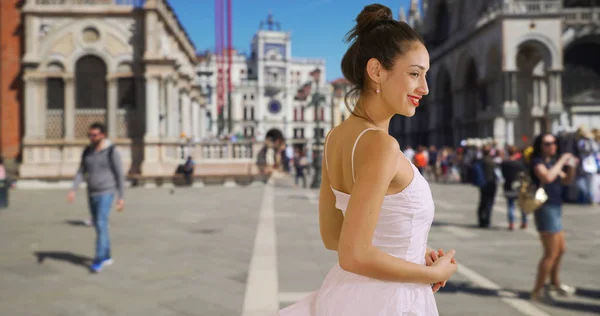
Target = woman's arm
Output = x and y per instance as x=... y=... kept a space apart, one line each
x=375 y=165
x=549 y=175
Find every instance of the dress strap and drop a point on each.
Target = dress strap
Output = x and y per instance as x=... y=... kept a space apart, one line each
x=354 y=148
x=325 y=149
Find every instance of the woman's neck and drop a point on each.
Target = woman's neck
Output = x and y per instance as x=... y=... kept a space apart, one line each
x=373 y=111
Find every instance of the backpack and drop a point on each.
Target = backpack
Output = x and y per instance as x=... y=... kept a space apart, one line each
x=477 y=174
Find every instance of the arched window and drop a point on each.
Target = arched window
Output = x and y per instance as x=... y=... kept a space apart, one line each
x=442 y=25
x=55 y=106
x=90 y=93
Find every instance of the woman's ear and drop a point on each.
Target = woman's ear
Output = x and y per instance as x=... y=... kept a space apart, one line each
x=375 y=70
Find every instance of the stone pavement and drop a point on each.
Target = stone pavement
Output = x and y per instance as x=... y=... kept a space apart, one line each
x=189 y=252
x=185 y=253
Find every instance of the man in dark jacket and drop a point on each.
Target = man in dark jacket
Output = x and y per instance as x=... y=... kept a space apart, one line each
x=511 y=167
x=487 y=190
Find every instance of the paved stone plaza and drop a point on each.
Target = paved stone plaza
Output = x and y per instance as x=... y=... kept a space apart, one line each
x=250 y=250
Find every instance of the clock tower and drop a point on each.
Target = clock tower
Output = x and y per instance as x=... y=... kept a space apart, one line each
x=271 y=49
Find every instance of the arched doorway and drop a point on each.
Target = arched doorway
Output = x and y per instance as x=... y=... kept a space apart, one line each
x=445 y=105
x=441 y=32
x=472 y=100
x=533 y=58
x=274 y=134
x=581 y=80
x=90 y=93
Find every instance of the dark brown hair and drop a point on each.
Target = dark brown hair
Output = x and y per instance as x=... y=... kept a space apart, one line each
x=375 y=35
x=99 y=126
x=512 y=150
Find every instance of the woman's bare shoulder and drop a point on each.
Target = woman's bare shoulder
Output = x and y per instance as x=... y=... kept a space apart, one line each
x=377 y=145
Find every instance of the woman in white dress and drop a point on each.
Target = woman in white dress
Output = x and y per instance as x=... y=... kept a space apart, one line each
x=375 y=208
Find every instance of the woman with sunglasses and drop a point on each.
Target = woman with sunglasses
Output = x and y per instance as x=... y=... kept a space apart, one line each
x=551 y=173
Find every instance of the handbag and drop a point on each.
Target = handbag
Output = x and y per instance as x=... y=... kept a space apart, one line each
x=530 y=197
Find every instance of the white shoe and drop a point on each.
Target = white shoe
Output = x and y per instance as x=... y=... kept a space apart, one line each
x=563 y=289
x=87 y=222
x=541 y=297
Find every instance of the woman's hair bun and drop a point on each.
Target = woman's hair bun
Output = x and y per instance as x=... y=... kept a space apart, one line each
x=370 y=17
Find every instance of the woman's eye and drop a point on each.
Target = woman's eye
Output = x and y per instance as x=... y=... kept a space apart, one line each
x=415 y=74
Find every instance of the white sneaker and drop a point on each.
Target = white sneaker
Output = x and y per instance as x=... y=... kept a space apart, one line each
x=87 y=222
x=541 y=297
x=563 y=289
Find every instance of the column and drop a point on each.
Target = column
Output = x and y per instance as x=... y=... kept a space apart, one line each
x=511 y=107
x=195 y=120
x=185 y=114
x=151 y=24
x=162 y=106
x=510 y=131
x=173 y=110
x=31 y=39
x=69 y=114
x=42 y=106
x=169 y=107
x=202 y=124
x=111 y=113
x=514 y=87
x=551 y=92
x=537 y=126
x=554 y=92
x=536 y=91
x=31 y=107
x=152 y=99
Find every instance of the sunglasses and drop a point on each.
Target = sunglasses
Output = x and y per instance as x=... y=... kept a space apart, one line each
x=549 y=143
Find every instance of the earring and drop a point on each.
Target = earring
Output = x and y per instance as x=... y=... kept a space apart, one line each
x=377 y=90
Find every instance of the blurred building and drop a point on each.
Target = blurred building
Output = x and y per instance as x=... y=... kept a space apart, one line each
x=507 y=69
x=11 y=87
x=271 y=90
x=127 y=63
x=339 y=111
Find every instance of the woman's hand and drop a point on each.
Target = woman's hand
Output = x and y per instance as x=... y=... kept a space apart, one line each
x=432 y=256
x=445 y=267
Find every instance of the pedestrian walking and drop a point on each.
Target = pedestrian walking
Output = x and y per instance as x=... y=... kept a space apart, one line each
x=102 y=169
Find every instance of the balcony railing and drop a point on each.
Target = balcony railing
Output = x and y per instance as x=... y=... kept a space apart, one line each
x=226 y=152
x=574 y=16
x=532 y=7
x=134 y=3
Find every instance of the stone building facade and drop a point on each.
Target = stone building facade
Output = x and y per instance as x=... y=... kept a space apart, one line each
x=271 y=90
x=10 y=85
x=127 y=63
x=506 y=69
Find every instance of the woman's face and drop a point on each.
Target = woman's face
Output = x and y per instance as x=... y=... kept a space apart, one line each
x=549 y=145
x=405 y=84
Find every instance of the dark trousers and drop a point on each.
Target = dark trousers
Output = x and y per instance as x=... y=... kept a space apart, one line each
x=300 y=176
x=487 y=194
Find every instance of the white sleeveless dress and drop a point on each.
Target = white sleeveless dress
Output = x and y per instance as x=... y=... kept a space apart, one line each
x=402 y=231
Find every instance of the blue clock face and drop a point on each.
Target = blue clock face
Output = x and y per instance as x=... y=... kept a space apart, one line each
x=274 y=106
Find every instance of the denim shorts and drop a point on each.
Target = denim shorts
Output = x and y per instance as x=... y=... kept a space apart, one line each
x=548 y=219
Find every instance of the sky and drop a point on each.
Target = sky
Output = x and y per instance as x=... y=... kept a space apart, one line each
x=317 y=27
